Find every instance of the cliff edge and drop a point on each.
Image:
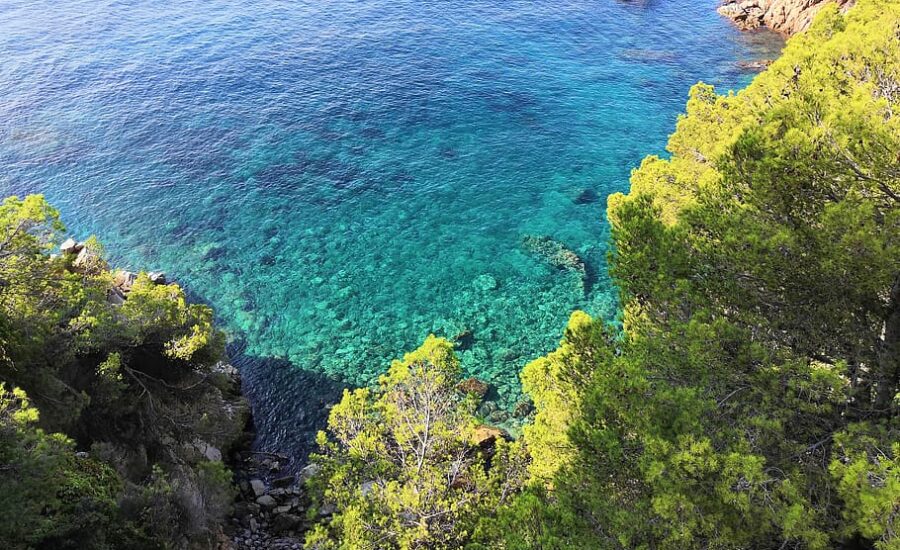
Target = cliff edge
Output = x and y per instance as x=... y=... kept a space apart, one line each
x=786 y=17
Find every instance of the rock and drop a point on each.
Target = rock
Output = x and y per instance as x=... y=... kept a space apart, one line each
x=557 y=254
x=327 y=509
x=283 y=509
x=259 y=488
x=366 y=488
x=226 y=369
x=464 y=340
x=89 y=261
x=473 y=386
x=587 y=196
x=498 y=417
x=115 y=296
x=82 y=455
x=485 y=436
x=212 y=454
x=267 y=501
x=157 y=277
x=786 y=17
x=523 y=408
x=254 y=525
x=124 y=280
x=283 y=481
x=69 y=246
x=309 y=471
x=754 y=66
x=242 y=510
x=284 y=523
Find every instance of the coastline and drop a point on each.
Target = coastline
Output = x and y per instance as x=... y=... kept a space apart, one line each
x=786 y=17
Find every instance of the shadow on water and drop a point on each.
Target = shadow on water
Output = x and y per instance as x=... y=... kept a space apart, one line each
x=277 y=390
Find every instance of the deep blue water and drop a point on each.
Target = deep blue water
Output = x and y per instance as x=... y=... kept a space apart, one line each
x=340 y=178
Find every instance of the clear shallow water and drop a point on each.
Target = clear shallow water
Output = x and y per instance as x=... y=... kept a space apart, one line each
x=338 y=179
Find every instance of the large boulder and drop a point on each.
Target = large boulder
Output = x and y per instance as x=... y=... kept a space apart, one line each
x=282 y=523
x=124 y=280
x=258 y=487
x=70 y=246
x=557 y=255
x=486 y=437
x=89 y=262
x=267 y=501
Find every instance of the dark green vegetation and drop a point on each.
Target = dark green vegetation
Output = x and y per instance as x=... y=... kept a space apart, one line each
x=750 y=399
x=120 y=370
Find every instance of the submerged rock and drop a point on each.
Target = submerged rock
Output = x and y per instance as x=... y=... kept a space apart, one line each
x=586 y=196
x=754 y=66
x=464 y=340
x=473 y=386
x=557 y=254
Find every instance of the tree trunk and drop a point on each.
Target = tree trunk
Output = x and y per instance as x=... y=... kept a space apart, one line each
x=888 y=354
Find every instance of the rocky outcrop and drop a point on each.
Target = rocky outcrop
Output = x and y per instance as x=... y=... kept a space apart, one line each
x=786 y=17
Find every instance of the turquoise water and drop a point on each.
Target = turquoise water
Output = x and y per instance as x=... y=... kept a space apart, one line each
x=339 y=179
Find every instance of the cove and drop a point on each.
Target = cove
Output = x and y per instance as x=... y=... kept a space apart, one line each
x=340 y=179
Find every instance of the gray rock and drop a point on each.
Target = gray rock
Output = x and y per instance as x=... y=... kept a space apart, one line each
x=242 y=510
x=157 y=277
x=89 y=261
x=284 y=481
x=285 y=522
x=124 y=280
x=259 y=488
x=309 y=471
x=115 y=296
x=267 y=501
x=69 y=246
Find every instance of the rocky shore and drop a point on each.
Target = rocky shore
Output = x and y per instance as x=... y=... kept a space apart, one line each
x=271 y=506
x=786 y=17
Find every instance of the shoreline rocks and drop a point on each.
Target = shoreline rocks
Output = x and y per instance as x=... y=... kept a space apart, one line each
x=786 y=17
x=267 y=515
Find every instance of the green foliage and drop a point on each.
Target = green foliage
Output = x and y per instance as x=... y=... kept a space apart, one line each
x=751 y=399
x=555 y=384
x=868 y=481
x=48 y=495
x=127 y=377
x=400 y=464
